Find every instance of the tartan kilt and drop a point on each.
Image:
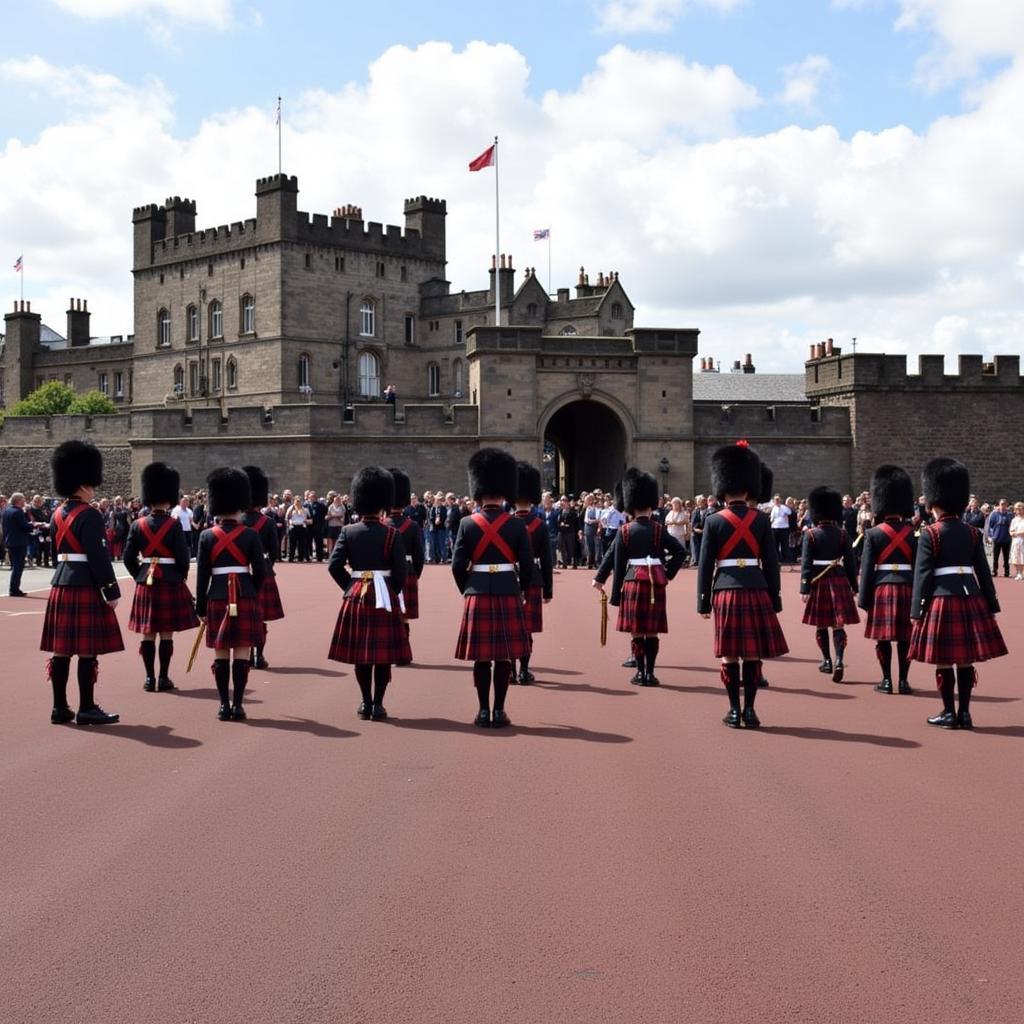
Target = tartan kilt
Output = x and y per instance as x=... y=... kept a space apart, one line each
x=831 y=602
x=78 y=621
x=746 y=625
x=271 y=608
x=411 y=594
x=889 y=615
x=493 y=628
x=162 y=608
x=957 y=631
x=224 y=631
x=533 y=607
x=636 y=613
x=366 y=635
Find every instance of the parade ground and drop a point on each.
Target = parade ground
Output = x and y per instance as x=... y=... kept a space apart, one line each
x=617 y=855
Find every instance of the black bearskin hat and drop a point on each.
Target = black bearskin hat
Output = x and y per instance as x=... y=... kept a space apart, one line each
x=892 y=492
x=947 y=483
x=160 y=484
x=639 y=490
x=373 y=491
x=403 y=489
x=492 y=472
x=767 y=484
x=735 y=469
x=620 y=505
x=825 y=503
x=528 y=488
x=73 y=464
x=229 y=491
x=259 y=486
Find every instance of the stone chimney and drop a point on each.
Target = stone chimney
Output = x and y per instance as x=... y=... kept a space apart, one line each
x=748 y=364
x=78 y=323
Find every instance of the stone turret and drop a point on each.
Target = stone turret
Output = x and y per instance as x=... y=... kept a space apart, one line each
x=22 y=330
x=277 y=198
x=427 y=216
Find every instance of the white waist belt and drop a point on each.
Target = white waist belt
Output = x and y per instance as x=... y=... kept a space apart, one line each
x=497 y=567
x=826 y=561
x=644 y=561
x=162 y=561
x=73 y=558
x=740 y=563
x=955 y=570
x=381 y=589
x=408 y=558
x=895 y=567
x=225 y=570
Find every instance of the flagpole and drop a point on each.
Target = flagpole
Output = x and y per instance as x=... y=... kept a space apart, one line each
x=279 y=135
x=549 y=261
x=497 y=242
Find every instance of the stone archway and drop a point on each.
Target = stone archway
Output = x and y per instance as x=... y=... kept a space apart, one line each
x=585 y=447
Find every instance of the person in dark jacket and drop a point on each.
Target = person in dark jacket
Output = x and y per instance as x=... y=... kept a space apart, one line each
x=538 y=589
x=370 y=632
x=491 y=561
x=645 y=558
x=998 y=531
x=79 y=619
x=828 y=578
x=158 y=556
x=764 y=498
x=412 y=539
x=271 y=609
x=954 y=601
x=568 y=527
x=738 y=581
x=887 y=573
x=17 y=533
x=230 y=567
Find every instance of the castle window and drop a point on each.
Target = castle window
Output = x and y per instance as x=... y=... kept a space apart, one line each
x=458 y=379
x=531 y=309
x=215 y=375
x=459 y=335
x=163 y=328
x=192 y=322
x=232 y=375
x=410 y=330
x=369 y=375
x=241 y=264
x=433 y=380
x=380 y=269
x=339 y=264
x=104 y=387
x=161 y=278
x=616 y=310
x=248 y=314
x=216 y=319
x=118 y=384
x=303 y=372
x=568 y=331
x=209 y=270
x=179 y=379
x=193 y=378
x=309 y=260
x=366 y=318
x=404 y=274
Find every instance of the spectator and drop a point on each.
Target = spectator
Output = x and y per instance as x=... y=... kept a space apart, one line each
x=1017 y=541
x=17 y=535
x=591 y=523
x=700 y=514
x=183 y=513
x=453 y=516
x=39 y=517
x=298 y=531
x=317 y=524
x=568 y=527
x=677 y=522
x=998 y=531
x=337 y=516
x=390 y=394
x=781 y=516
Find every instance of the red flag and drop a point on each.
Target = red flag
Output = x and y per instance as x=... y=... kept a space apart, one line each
x=485 y=159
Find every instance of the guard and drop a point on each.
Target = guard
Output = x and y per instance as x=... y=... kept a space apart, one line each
x=412 y=540
x=539 y=587
x=271 y=609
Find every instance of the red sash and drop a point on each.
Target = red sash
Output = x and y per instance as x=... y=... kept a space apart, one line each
x=226 y=542
x=64 y=529
x=406 y=526
x=154 y=546
x=491 y=536
x=741 y=531
x=897 y=542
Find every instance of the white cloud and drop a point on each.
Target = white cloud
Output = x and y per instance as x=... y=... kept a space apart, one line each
x=803 y=82
x=908 y=240
x=217 y=13
x=625 y=16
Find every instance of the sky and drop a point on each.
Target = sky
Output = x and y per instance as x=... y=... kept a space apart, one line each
x=774 y=173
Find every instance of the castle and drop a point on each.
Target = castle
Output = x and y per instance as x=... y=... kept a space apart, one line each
x=272 y=340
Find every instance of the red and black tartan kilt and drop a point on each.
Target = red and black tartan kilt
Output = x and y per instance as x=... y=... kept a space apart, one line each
x=957 y=631
x=162 y=608
x=78 y=621
x=889 y=616
x=367 y=635
x=271 y=608
x=831 y=602
x=533 y=608
x=411 y=594
x=637 y=615
x=225 y=631
x=493 y=628
x=746 y=625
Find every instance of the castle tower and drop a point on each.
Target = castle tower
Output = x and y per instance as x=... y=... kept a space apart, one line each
x=427 y=217
x=181 y=216
x=277 y=198
x=150 y=227
x=22 y=329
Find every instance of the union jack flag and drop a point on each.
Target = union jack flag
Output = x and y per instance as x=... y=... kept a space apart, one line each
x=541 y=233
x=17 y=265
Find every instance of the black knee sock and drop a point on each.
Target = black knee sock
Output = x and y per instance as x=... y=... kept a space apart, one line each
x=88 y=668
x=839 y=636
x=147 y=648
x=58 y=669
x=258 y=652
x=731 y=679
x=381 y=678
x=821 y=635
x=751 y=674
x=640 y=654
x=966 y=680
x=524 y=664
x=482 y=682
x=166 y=650
x=364 y=677
x=222 y=677
x=239 y=676
x=883 y=651
x=651 y=646
x=502 y=673
x=903 y=659
x=946 y=679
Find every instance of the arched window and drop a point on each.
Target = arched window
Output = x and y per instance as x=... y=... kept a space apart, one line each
x=163 y=328
x=192 y=323
x=232 y=374
x=248 y=314
x=458 y=381
x=369 y=375
x=567 y=331
x=216 y=319
x=433 y=379
x=367 y=318
x=531 y=309
x=179 y=379
x=303 y=371
x=616 y=310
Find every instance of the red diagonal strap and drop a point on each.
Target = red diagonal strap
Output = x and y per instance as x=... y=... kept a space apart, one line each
x=389 y=539
x=261 y=521
x=154 y=546
x=532 y=526
x=406 y=526
x=897 y=542
x=741 y=531
x=226 y=542
x=493 y=536
x=64 y=532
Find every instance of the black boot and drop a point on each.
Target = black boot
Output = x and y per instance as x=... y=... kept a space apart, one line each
x=966 y=680
x=89 y=712
x=147 y=650
x=903 y=660
x=222 y=677
x=239 y=676
x=651 y=647
x=258 y=661
x=502 y=673
x=946 y=679
x=364 y=677
x=731 y=680
x=839 y=635
x=525 y=675
x=750 y=673
x=762 y=683
x=821 y=635
x=166 y=651
x=482 y=682
x=883 y=651
x=639 y=658
x=381 y=678
x=58 y=669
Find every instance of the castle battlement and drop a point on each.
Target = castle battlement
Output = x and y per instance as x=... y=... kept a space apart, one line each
x=49 y=431
x=731 y=422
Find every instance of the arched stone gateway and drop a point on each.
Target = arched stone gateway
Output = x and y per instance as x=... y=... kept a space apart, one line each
x=588 y=447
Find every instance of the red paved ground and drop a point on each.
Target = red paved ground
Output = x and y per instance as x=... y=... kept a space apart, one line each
x=617 y=856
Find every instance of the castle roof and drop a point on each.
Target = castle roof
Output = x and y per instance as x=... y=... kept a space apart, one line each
x=777 y=388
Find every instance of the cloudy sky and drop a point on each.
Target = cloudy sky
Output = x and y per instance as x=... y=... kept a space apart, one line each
x=773 y=173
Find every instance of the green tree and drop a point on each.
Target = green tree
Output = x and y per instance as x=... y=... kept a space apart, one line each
x=92 y=403
x=51 y=399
